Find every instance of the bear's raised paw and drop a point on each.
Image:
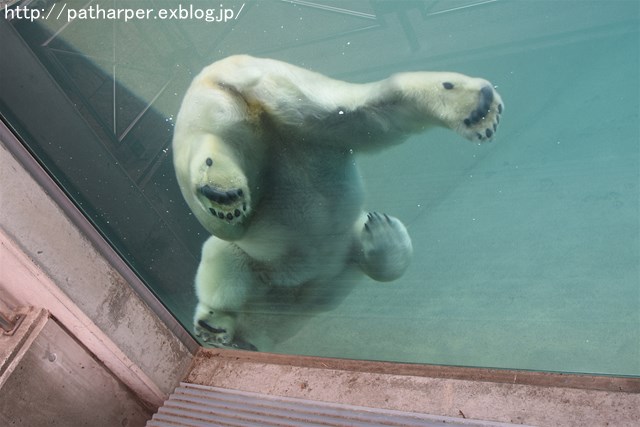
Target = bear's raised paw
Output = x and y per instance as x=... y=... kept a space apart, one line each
x=228 y=205
x=386 y=247
x=221 y=188
x=484 y=119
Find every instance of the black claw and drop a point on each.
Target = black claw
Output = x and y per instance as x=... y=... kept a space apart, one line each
x=237 y=212
x=467 y=122
x=366 y=227
x=229 y=216
x=213 y=211
x=220 y=215
x=209 y=162
x=499 y=108
x=488 y=132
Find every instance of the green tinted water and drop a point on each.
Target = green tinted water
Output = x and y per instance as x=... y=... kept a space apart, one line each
x=526 y=249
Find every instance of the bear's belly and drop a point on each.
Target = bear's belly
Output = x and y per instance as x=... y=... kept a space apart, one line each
x=302 y=227
x=301 y=236
x=316 y=231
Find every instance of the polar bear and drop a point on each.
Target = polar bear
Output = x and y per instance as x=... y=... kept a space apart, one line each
x=264 y=154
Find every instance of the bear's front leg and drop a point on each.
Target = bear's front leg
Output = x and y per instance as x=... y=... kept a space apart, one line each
x=221 y=187
x=214 y=183
x=468 y=105
x=223 y=282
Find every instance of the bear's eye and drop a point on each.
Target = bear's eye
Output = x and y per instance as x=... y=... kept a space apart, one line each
x=447 y=85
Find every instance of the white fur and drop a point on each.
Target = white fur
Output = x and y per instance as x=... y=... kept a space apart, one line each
x=281 y=143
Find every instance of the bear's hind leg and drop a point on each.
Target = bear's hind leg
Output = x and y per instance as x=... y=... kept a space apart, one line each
x=385 y=248
x=223 y=283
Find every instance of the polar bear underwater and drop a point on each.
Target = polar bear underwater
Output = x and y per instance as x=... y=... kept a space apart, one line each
x=264 y=154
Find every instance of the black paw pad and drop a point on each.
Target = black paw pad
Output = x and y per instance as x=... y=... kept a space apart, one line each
x=484 y=105
x=206 y=326
x=219 y=196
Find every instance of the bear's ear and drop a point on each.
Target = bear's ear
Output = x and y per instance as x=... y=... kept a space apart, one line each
x=447 y=85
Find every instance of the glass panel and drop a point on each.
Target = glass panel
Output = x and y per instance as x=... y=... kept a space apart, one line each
x=525 y=250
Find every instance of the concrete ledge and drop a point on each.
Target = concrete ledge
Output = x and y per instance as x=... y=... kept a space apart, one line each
x=480 y=394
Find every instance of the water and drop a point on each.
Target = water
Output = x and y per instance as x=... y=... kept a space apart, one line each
x=526 y=249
